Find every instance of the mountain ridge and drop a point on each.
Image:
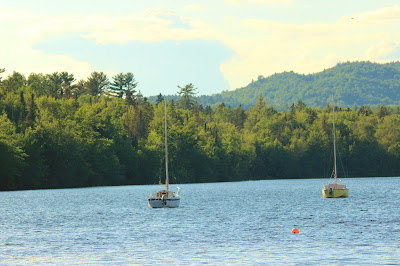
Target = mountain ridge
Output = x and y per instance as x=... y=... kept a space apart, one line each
x=352 y=83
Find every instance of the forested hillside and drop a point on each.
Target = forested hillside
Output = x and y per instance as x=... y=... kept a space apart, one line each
x=356 y=83
x=56 y=132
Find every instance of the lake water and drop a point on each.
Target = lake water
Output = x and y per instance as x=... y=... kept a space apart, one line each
x=246 y=223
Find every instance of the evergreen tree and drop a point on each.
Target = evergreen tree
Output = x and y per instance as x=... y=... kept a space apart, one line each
x=129 y=99
x=118 y=84
x=22 y=116
x=130 y=83
x=31 y=112
x=160 y=99
x=55 y=85
x=78 y=89
x=123 y=84
x=67 y=80
x=187 y=96
x=96 y=84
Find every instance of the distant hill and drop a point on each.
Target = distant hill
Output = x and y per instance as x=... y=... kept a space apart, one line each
x=352 y=83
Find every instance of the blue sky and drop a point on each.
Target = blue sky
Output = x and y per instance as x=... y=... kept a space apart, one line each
x=215 y=44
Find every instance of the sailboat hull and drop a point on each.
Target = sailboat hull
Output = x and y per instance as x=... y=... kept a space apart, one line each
x=168 y=203
x=335 y=193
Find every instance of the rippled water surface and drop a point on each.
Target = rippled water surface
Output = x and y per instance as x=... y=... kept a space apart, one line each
x=222 y=223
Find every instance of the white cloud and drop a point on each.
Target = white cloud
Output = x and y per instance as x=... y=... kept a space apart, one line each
x=154 y=25
x=381 y=49
x=260 y=2
x=306 y=48
x=20 y=57
x=13 y=16
x=16 y=53
x=194 y=7
x=26 y=29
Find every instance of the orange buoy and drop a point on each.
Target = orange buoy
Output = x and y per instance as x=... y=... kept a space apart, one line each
x=295 y=231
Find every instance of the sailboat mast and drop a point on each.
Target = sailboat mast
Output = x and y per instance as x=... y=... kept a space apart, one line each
x=334 y=144
x=166 y=148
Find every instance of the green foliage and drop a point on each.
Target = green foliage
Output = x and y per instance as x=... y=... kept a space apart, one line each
x=13 y=83
x=11 y=154
x=51 y=140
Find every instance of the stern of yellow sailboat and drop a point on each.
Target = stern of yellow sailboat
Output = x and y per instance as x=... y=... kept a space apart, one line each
x=335 y=191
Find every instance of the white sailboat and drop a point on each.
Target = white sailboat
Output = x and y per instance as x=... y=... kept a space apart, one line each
x=165 y=198
x=335 y=189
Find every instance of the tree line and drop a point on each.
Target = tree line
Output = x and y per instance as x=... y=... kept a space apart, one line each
x=56 y=132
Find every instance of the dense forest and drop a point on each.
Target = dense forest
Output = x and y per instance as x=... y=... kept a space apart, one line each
x=353 y=84
x=56 y=132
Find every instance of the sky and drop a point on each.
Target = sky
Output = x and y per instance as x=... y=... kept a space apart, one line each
x=216 y=45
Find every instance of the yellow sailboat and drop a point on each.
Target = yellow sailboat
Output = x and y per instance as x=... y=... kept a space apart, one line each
x=335 y=190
